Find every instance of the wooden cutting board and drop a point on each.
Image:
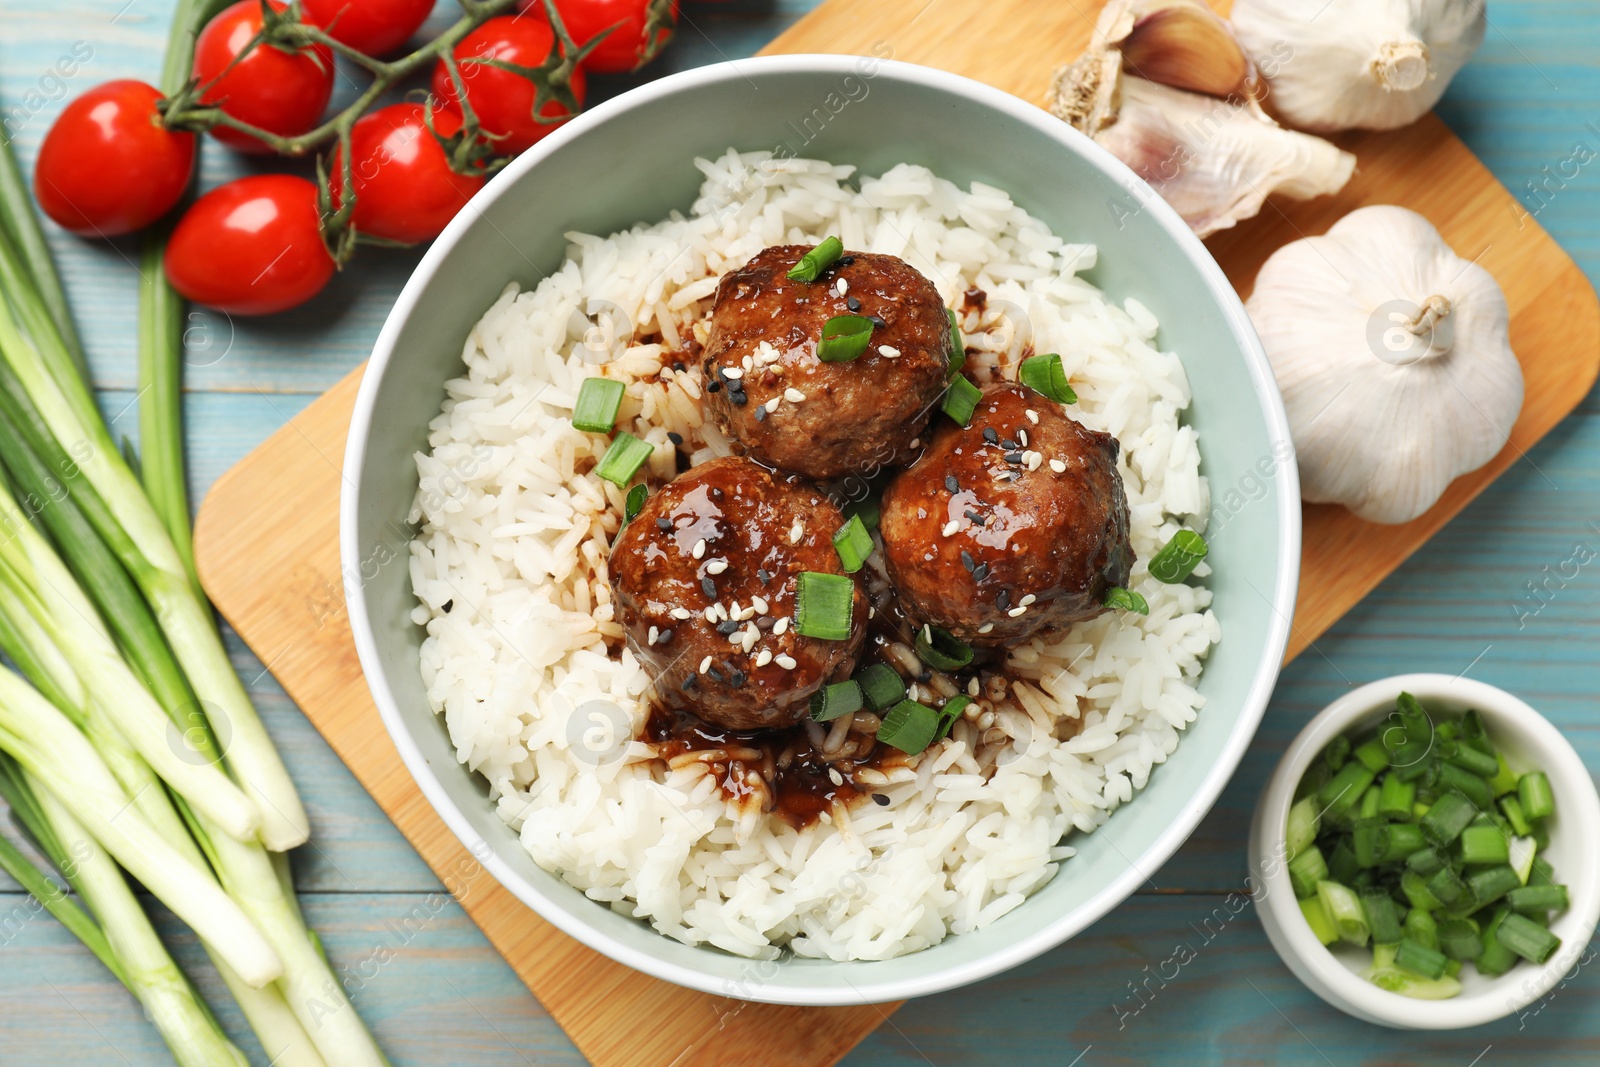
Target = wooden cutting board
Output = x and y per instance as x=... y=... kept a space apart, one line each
x=267 y=534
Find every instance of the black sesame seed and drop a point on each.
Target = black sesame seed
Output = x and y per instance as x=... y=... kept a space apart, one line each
x=727 y=627
x=446 y=606
x=713 y=387
x=990 y=436
x=764 y=575
x=880 y=800
x=966 y=561
x=981 y=572
x=688 y=683
x=1012 y=457
x=977 y=520
x=674 y=437
x=852 y=303
x=664 y=525
x=951 y=484
x=1003 y=601
x=736 y=679
x=844 y=261
x=761 y=413
x=739 y=399
x=714 y=674
x=765 y=623
x=878 y=321
x=663 y=637
x=709 y=588
x=925 y=677
x=1009 y=445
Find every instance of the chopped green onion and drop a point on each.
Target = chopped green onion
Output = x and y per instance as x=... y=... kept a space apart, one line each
x=1383 y=915
x=1533 y=792
x=1490 y=884
x=1415 y=888
x=1527 y=938
x=1419 y=959
x=1503 y=781
x=1306 y=869
x=1303 y=824
x=1471 y=759
x=1344 y=911
x=1467 y=784
x=1421 y=927
x=1344 y=790
x=1342 y=865
x=1449 y=816
x=1406 y=984
x=1395 y=797
x=634 y=503
x=1424 y=861
x=1484 y=844
x=1446 y=886
x=1043 y=374
x=1495 y=958
x=844 y=338
x=1383 y=842
x=826 y=605
x=958 y=346
x=853 y=543
x=819 y=259
x=832 y=701
x=1317 y=919
x=961 y=400
x=909 y=726
x=623 y=459
x=599 y=400
x=1127 y=600
x=939 y=650
x=1514 y=815
x=1459 y=940
x=882 y=685
x=1537 y=899
x=1337 y=752
x=1417 y=725
x=948 y=715
x=1373 y=754
x=869 y=509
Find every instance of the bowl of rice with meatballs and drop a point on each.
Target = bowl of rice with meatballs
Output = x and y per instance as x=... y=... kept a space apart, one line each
x=819 y=530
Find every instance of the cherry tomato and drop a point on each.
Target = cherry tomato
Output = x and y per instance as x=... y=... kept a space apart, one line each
x=278 y=91
x=251 y=247
x=502 y=99
x=638 y=29
x=376 y=27
x=405 y=189
x=108 y=166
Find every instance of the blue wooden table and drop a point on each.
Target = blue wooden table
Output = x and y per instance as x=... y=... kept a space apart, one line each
x=1488 y=596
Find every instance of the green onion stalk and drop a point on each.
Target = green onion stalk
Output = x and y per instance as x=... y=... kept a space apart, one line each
x=70 y=426
x=21 y=225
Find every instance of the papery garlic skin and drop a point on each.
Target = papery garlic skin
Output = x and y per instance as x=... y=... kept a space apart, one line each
x=1359 y=64
x=1392 y=356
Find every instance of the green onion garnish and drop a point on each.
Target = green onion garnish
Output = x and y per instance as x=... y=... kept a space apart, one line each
x=636 y=498
x=1533 y=791
x=623 y=459
x=882 y=685
x=1043 y=374
x=819 y=259
x=844 y=338
x=939 y=650
x=949 y=714
x=598 y=402
x=961 y=400
x=853 y=543
x=832 y=701
x=868 y=509
x=825 y=605
x=909 y=726
x=1127 y=600
x=1178 y=558
x=1523 y=936
x=1419 y=959
x=958 y=344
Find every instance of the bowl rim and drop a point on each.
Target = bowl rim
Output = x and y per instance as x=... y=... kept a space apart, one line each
x=830 y=990
x=1317 y=967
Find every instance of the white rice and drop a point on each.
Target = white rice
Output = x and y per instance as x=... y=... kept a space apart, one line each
x=524 y=659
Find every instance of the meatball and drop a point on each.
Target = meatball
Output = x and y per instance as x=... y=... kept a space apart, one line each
x=732 y=537
x=1011 y=525
x=783 y=406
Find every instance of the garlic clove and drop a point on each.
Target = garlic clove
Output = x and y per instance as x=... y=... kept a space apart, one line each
x=1215 y=161
x=1179 y=43
x=1393 y=358
x=1358 y=64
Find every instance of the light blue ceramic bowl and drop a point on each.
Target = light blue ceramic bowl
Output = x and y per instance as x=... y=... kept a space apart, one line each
x=631 y=159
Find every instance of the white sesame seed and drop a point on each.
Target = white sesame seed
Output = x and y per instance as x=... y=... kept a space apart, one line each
x=747 y=363
x=1033 y=416
x=680 y=613
x=972 y=686
x=951 y=527
x=699 y=549
x=794 y=396
x=1058 y=466
x=705 y=665
x=916 y=442
x=888 y=350
x=986 y=627
x=733 y=610
x=1028 y=600
x=736 y=639
x=786 y=661
x=760 y=603
x=1016 y=612
x=711 y=615
x=716 y=566
x=721 y=610
x=1022 y=438
x=834 y=776
x=772 y=405
x=843 y=287
x=764 y=658
x=872 y=612
x=779 y=627
x=795 y=533
x=734 y=372
x=654 y=633
x=744 y=613
x=1034 y=460
x=750 y=637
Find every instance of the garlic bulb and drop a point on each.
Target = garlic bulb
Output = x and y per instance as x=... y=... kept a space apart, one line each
x=1214 y=160
x=1391 y=354
x=1359 y=64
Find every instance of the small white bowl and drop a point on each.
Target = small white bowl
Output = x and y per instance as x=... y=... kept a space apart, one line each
x=1529 y=742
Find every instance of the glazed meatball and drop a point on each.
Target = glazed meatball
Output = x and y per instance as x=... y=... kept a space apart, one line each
x=1013 y=524
x=781 y=405
x=732 y=537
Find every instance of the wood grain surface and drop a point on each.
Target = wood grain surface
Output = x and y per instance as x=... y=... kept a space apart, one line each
x=1495 y=593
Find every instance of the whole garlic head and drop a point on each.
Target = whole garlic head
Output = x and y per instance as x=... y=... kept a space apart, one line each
x=1359 y=64
x=1391 y=352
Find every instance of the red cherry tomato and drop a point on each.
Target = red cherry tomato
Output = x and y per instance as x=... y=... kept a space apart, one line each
x=281 y=92
x=405 y=189
x=376 y=27
x=251 y=247
x=504 y=100
x=108 y=166
x=639 y=28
